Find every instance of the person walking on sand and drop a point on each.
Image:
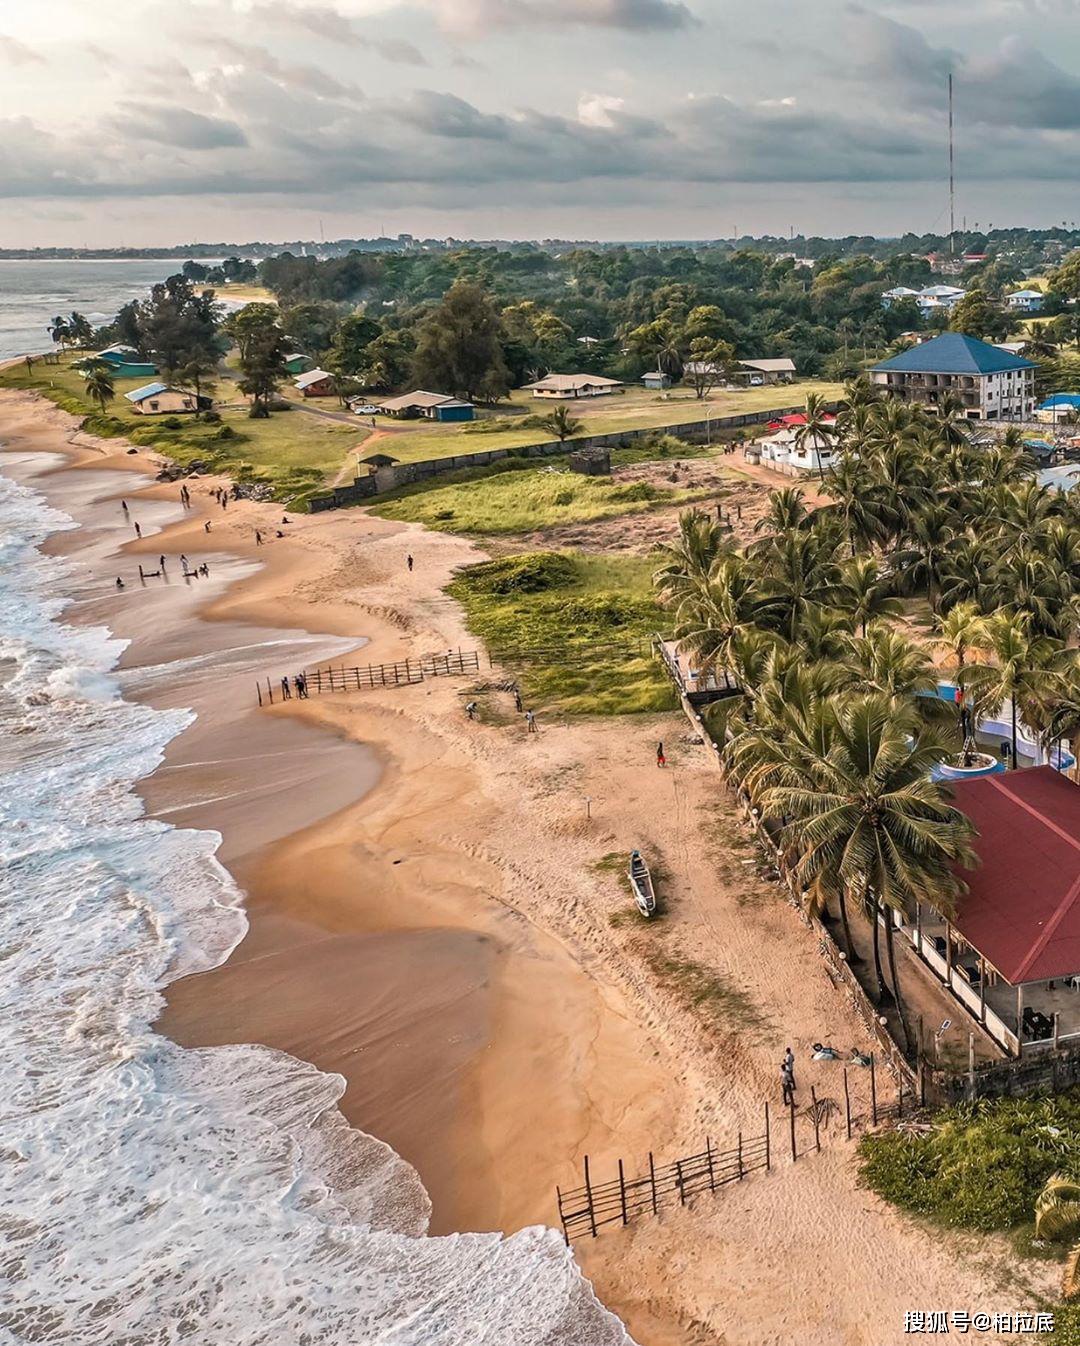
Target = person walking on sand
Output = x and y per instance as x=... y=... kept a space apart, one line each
x=409 y=561
x=258 y=538
x=301 y=686
x=183 y=563
x=661 y=760
x=530 y=720
x=138 y=530
x=787 y=1085
x=517 y=700
x=286 y=695
x=123 y=506
x=161 y=564
x=206 y=526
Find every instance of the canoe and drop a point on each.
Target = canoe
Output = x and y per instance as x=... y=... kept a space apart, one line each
x=642 y=884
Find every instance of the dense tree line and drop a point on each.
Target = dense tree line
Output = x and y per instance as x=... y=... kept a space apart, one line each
x=837 y=726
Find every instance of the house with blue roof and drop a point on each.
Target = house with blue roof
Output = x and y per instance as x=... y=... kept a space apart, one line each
x=159 y=399
x=1025 y=301
x=989 y=383
x=1057 y=408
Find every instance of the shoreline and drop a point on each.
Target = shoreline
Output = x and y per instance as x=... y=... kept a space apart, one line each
x=538 y=1024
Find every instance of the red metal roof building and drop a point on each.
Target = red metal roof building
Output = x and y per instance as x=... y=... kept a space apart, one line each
x=1022 y=908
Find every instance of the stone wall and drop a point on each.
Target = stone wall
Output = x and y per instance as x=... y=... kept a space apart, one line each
x=405 y=474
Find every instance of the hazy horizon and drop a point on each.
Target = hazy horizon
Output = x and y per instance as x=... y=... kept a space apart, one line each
x=602 y=120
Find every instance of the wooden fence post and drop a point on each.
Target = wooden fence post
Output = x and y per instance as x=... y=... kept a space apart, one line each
x=588 y=1197
x=791 y=1112
x=817 y=1120
x=873 y=1090
x=679 y=1182
x=562 y=1217
x=622 y=1192
x=708 y=1156
x=258 y=693
x=768 y=1146
x=847 y=1103
x=270 y=690
x=652 y=1181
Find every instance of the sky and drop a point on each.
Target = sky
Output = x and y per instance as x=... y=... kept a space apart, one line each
x=232 y=120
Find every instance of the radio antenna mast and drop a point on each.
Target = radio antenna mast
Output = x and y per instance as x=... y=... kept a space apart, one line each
x=952 y=177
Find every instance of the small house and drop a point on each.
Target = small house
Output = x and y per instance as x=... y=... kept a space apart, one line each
x=1025 y=301
x=1060 y=407
x=125 y=362
x=298 y=363
x=759 y=372
x=316 y=383
x=159 y=399
x=656 y=381
x=565 y=386
x=430 y=406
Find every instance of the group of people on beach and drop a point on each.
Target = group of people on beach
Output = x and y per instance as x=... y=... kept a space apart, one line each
x=299 y=682
x=472 y=708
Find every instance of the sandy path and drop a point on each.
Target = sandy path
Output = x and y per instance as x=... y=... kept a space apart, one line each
x=479 y=829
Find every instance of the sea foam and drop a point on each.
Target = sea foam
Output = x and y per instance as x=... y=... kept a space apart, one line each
x=150 y=1193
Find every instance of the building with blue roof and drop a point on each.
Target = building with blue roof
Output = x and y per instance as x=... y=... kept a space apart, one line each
x=159 y=399
x=989 y=383
x=1058 y=408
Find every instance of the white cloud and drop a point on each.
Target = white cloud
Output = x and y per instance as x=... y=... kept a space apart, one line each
x=595 y=109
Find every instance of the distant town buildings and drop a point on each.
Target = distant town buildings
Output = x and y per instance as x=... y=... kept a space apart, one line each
x=562 y=386
x=1025 y=301
x=931 y=299
x=990 y=383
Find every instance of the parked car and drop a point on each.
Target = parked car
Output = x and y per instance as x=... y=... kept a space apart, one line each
x=364 y=408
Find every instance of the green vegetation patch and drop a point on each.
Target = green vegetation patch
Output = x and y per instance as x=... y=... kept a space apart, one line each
x=522 y=501
x=981 y=1165
x=575 y=629
x=291 y=451
x=720 y=1003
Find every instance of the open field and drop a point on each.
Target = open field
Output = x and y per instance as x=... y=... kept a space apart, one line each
x=536 y=498
x=293 y=452
x=584 y=616
x=514 y=422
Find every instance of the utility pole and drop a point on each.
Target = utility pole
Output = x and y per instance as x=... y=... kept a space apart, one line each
x=952 y=177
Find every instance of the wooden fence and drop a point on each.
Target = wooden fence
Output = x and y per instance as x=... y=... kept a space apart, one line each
x=587 y=1209
x=402 y=673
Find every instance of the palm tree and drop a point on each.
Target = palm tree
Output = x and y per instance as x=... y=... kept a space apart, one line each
x=58 y=330
x=864 y=593
x=98 y=382
x=1057 y=1216
x=561 y=424
x=865 y=814
x=1026 y=669
x=858 y=504
x=817 y=429
x=932 y=533
x=688 y=560
x=799 y=573
x=786 y=512
x=716 y=611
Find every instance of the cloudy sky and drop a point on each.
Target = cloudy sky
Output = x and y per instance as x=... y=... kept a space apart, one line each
x=148 y=122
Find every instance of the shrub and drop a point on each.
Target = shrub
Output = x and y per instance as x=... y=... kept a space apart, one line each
x=171 y=423
x=981 y=1165
x=226 y=432
x=530 y=573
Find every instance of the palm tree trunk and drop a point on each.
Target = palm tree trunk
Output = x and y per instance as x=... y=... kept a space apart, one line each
x=882 y=988
x=1013 y=702
x=850 y=950
x=896 y=983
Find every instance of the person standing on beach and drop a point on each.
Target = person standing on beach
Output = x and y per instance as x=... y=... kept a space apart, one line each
x=123 y=506
x=789 y=1064
x=286 y=695
x=661 y=760
x=206 y=526
x=258 y=538
x=787 y=1086
x=301 y=686
x=119 y=582
x=517 y=700
x=470 y=709
x=409 y=561
x=161 y=564
x=138 y=530
x=530 y=720
x=183 y=563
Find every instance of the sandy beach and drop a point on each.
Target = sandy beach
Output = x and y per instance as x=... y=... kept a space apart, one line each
x=434 y=916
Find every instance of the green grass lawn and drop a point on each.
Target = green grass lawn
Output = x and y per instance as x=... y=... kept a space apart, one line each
x=521 y=500
x=512 y=423
x=293 y=452
x=573 y=628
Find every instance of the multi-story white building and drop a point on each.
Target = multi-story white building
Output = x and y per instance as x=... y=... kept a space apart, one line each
x=991 y=384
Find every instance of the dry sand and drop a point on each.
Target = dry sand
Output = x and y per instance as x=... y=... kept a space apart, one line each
x=430 y=917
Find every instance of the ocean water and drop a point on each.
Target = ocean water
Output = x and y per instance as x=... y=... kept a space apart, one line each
x=153 y=1194
x=32 y=293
